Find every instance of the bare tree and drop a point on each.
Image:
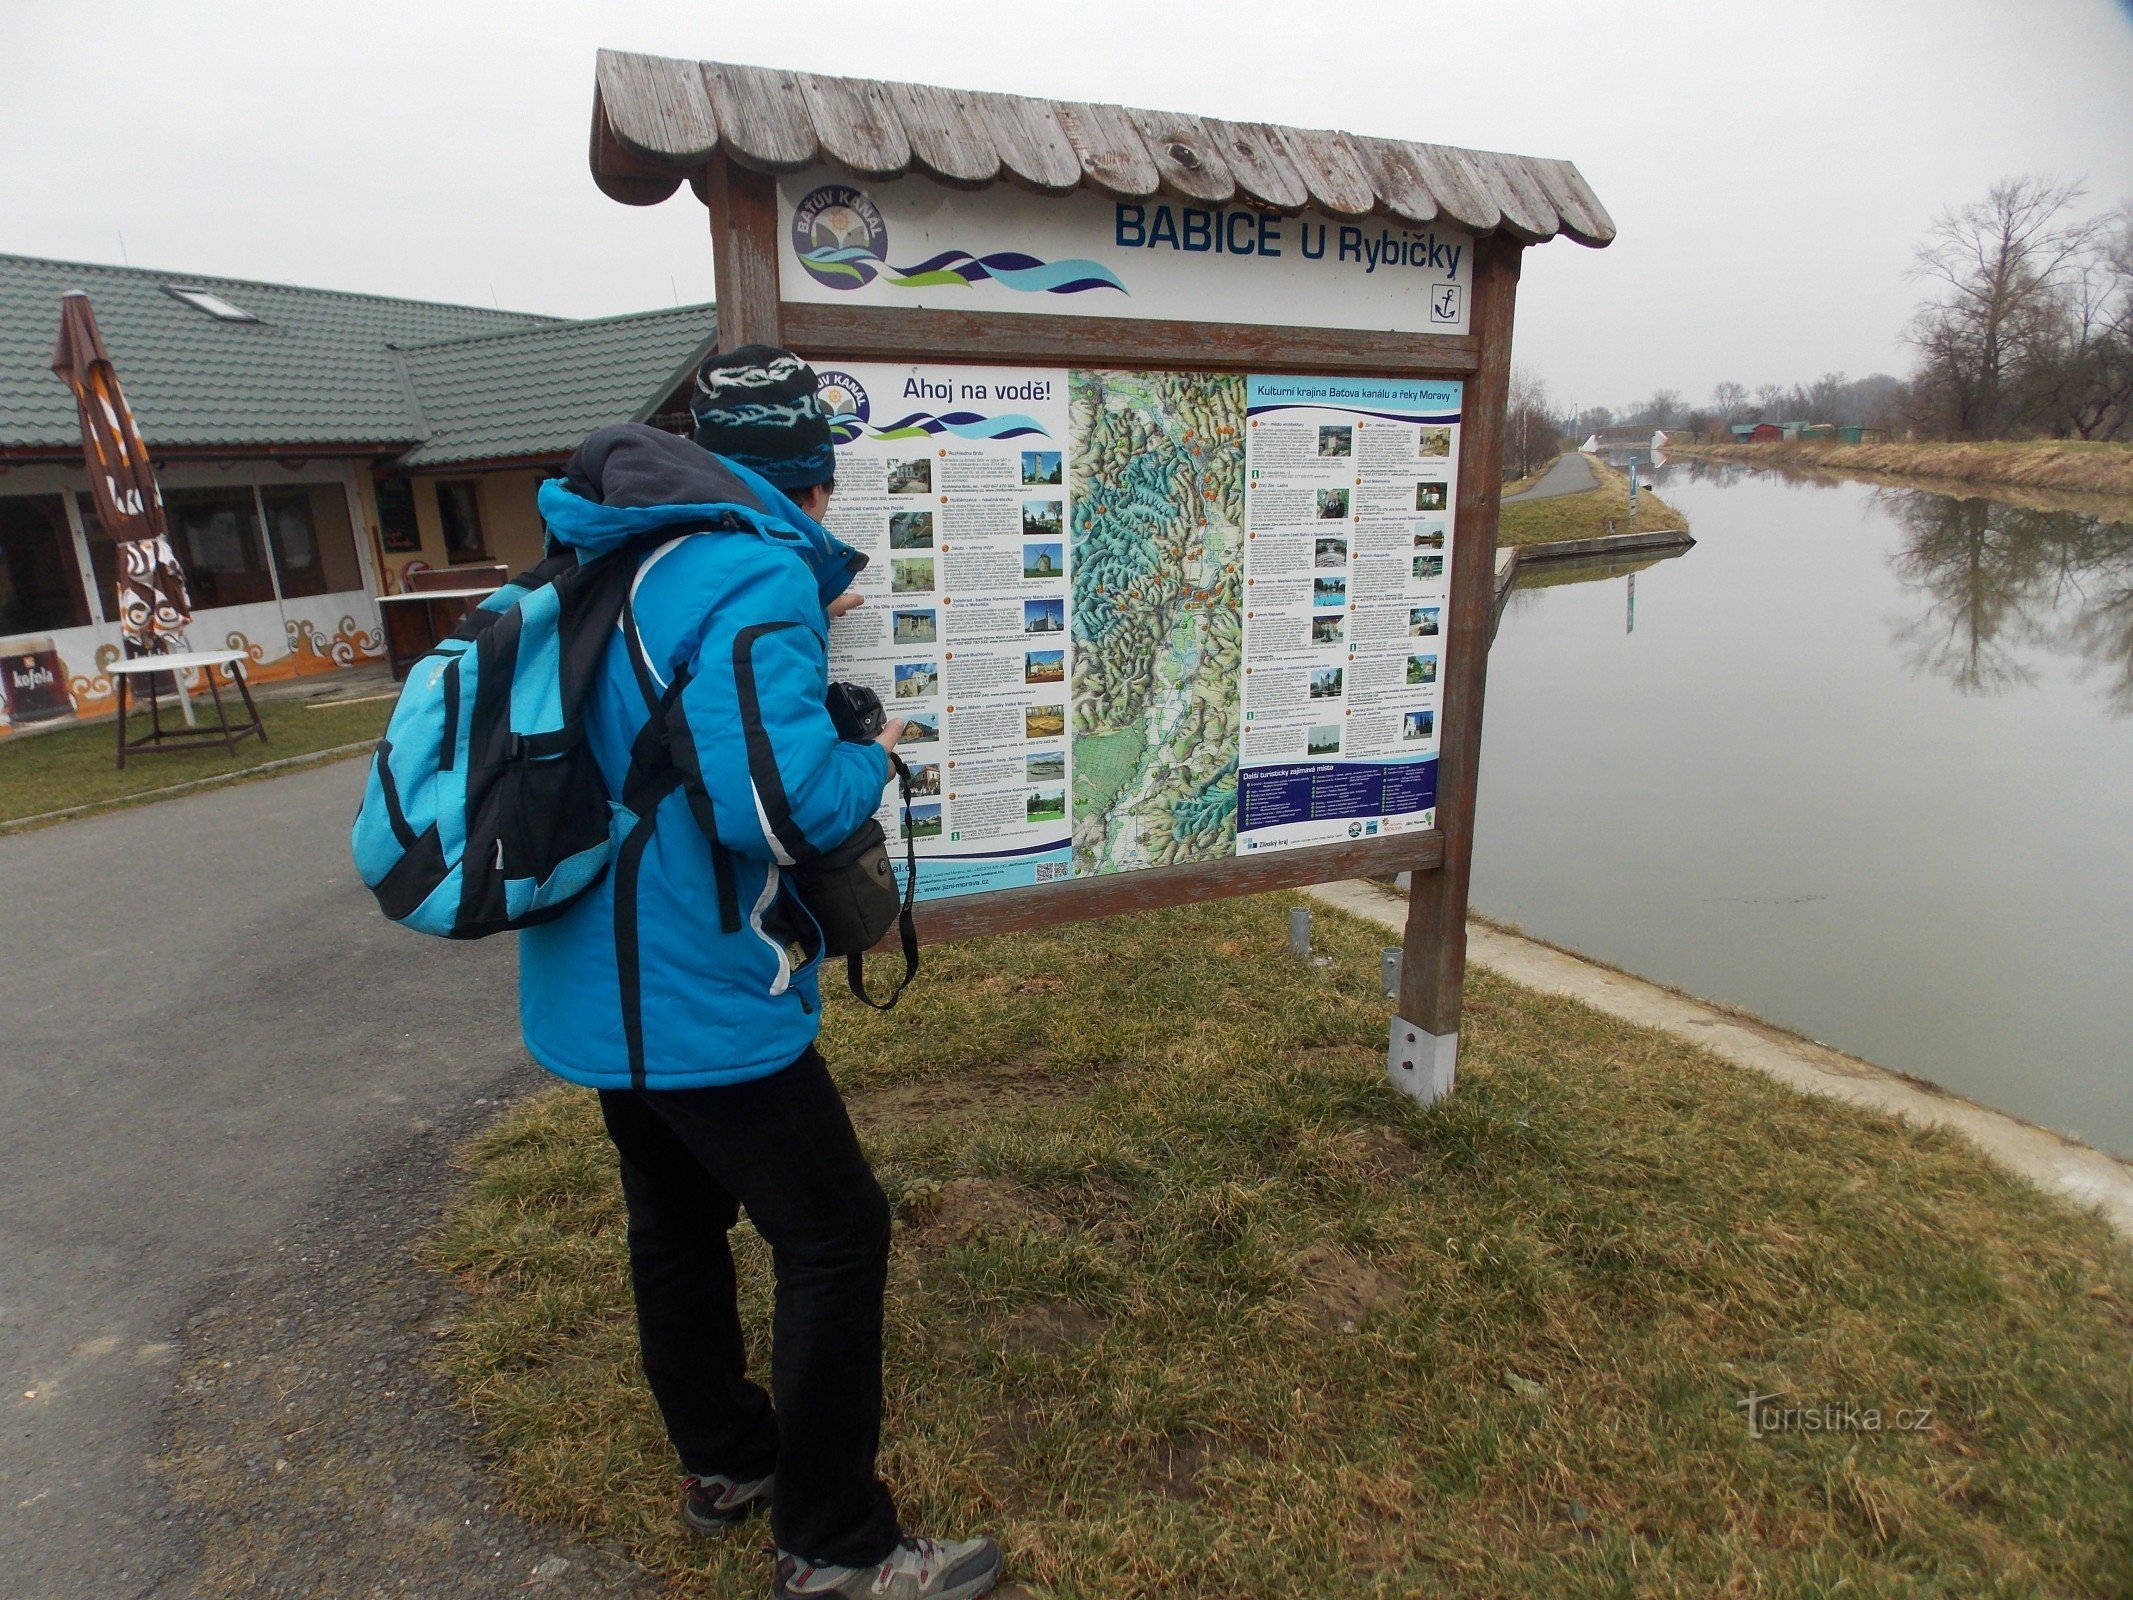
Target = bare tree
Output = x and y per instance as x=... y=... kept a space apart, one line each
x=1729 y=400
x=1663 y=410
x=1996 y=268
x=2080 y=379
x=1533 y=431
x=1818 y=401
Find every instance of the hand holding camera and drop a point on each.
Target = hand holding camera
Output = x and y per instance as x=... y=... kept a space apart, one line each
x=857 y=712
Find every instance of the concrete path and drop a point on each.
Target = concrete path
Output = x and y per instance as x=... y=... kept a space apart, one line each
x=2075 y=1172
x=206 y=1021
x=1571 y=474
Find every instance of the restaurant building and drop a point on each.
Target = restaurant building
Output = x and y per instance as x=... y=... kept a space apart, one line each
x=313 y=448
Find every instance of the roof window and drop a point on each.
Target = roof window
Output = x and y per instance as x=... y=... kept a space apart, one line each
x=213 y=304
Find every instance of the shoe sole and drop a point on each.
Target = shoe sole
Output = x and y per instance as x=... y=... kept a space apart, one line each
x=726 y=1522
x=969 y=1589
x=983 y=1584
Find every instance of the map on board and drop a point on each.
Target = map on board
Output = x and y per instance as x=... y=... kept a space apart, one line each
x=1055 y=607
x=1157 y=593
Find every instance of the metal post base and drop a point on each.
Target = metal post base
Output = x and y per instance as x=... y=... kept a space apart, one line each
x=1421 y=1065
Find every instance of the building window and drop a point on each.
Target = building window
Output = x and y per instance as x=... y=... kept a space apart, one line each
x=312 y=540
x=397 y=527
x=212 y=303
x=40 y=584
x=215 y=533
x=459 y=513
x=103 y=554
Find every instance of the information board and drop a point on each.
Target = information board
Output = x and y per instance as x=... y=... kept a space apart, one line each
x=1142 y=618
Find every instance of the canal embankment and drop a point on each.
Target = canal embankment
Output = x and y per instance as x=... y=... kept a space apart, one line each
x=2078 y=1173
x=1575 y=511
x=2063 y=465
x=1534 y=516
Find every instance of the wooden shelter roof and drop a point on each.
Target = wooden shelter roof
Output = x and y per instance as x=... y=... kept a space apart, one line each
x=657 y=121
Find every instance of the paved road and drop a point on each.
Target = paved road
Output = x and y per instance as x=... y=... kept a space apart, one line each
x=205 y=1021
x=1571 y=474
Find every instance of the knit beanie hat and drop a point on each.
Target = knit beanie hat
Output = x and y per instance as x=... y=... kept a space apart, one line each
x=757 y=406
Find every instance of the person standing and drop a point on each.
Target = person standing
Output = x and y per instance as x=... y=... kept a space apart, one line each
x=684 y=987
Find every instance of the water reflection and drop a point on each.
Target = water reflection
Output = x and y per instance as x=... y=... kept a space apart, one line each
x=1782 y=789
x=1696 y=470
x=2002 y=581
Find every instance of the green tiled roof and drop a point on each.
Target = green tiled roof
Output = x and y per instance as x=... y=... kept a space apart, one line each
x=315 y=368
x=539 y=391
x=443 y=383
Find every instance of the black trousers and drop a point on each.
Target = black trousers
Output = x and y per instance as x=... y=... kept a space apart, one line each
x=783 y=1147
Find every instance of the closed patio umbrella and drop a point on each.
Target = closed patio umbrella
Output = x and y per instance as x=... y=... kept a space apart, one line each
x=152 y=600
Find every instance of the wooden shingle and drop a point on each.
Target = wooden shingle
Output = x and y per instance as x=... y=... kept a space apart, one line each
x=948 y=139
x=762 y=117
x=855 y=125
x=1114 y=156
x=657 y=121
x=1262 y=168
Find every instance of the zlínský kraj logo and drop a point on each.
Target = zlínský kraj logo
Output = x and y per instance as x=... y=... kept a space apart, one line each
x=843 y=399
x=843 y=243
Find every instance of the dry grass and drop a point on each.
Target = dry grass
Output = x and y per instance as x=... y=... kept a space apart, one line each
x=2063 y=464
x=1187 y=1303
x=1591 y=515
x=41 y=772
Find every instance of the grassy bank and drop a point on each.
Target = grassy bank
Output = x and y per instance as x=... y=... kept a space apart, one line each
x=1591 y=515
x=42 y=772
x=2065 y=465
x=1186 y=1303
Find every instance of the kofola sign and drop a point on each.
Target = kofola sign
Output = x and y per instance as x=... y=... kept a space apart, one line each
x=913 y=242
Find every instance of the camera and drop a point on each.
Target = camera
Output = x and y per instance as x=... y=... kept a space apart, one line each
x=856 y=710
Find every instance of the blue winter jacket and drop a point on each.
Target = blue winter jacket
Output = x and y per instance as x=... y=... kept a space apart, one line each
x=692 y=962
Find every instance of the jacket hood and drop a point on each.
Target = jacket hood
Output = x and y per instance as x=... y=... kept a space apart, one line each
x=631 y=479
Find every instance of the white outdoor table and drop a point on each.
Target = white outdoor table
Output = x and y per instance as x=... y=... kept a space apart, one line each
x=204 y=662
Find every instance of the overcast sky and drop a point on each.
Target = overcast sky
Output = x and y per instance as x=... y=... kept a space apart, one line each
x=1770 y=167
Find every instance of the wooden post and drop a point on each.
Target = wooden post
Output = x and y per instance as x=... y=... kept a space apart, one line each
x=744 y=253
x=1424 y=1052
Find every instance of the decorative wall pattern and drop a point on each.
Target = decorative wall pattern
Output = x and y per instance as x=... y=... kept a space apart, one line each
x=295 y=639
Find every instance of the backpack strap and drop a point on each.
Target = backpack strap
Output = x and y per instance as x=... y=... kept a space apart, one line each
x=906 y=929
x=654 y=774
x=651 y=754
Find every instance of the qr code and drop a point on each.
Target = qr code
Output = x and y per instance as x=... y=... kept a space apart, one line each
x=1052 y=871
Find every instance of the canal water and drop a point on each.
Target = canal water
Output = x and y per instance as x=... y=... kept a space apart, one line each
x=1861 y=762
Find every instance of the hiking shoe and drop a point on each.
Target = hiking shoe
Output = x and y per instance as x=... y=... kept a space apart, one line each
x=712 y=1502
x=917 y=1569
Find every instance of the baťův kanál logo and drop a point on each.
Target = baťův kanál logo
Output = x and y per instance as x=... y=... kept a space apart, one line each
x=842 y=240
x=839 y=236
x=844 y=401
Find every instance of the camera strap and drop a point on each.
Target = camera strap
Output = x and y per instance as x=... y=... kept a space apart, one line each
x=906 y=930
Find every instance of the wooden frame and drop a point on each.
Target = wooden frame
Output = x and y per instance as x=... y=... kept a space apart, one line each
x=883 y=334
x=745 y=244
